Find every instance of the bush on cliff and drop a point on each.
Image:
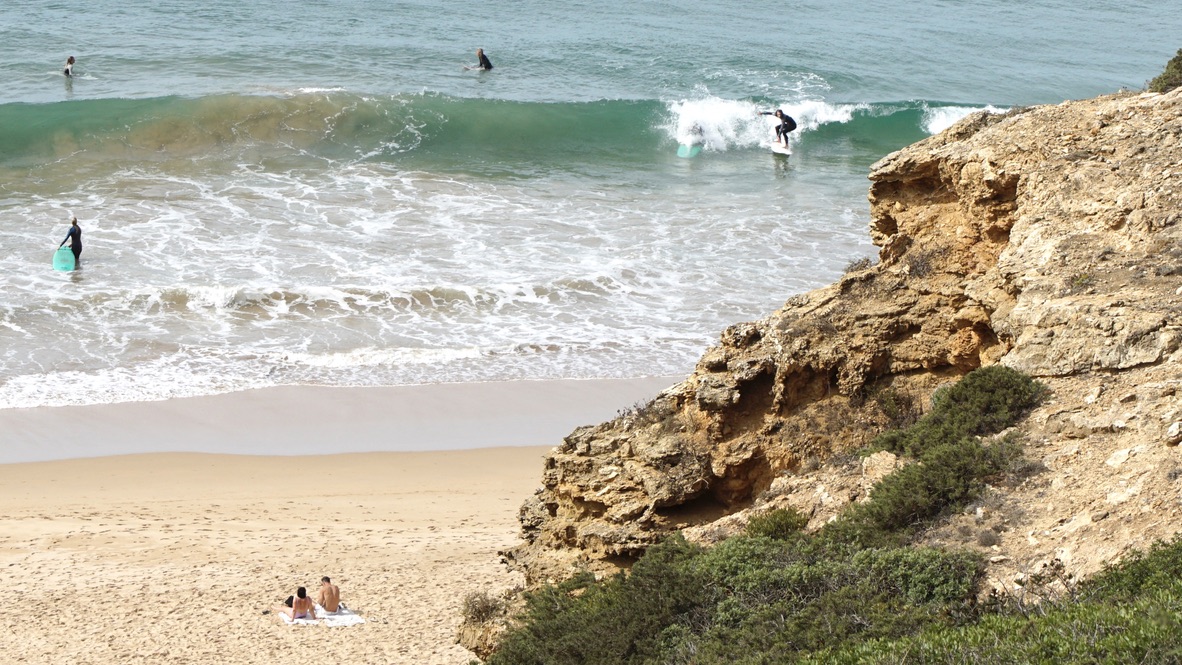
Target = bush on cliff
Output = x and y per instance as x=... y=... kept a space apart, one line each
x=780 y=524
x=617 y=620
x=947 y=477
x=776 y=594
x=747 y=600
x=984 y=402
x=952 y=463
x=1130 y=613
x=1170 y=78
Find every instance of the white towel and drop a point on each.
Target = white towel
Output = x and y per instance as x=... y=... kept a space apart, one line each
x=342 y=617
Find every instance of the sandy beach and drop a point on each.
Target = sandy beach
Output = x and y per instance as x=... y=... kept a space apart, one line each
x=132 y=556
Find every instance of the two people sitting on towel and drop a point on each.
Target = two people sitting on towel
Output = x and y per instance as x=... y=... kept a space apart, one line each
x=300 y=606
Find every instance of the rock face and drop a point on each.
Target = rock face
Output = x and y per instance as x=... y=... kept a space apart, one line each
x=1047 y=239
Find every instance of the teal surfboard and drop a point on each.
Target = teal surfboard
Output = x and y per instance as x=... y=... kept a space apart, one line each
x=63 y=259
x=685 y=150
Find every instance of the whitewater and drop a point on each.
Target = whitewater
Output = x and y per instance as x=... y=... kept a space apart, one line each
x=320 y=193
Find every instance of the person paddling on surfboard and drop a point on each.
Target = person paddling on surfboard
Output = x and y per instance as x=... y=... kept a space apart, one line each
x=787 y=124
x=482 y=60
x=74 y=237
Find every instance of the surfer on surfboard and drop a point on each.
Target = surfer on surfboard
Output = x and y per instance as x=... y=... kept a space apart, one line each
x=787 y=124
x=483 y=63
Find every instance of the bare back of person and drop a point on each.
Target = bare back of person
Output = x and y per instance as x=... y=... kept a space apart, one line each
x=330 y=596
x=302 y=608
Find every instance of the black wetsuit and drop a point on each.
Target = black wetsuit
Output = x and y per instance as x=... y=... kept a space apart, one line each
x=74 y=235
x=485 y=63
x=787 y=124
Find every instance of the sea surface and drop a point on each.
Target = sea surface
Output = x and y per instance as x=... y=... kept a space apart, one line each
x=318 y=192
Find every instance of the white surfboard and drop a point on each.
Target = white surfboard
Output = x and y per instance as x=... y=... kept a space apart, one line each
x=781 y=149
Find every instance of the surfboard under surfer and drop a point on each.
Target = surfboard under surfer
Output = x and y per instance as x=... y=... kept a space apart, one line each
x=787 y=124
x=74 y=237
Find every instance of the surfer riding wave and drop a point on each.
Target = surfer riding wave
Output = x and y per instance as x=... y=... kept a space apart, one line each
x=787 y=124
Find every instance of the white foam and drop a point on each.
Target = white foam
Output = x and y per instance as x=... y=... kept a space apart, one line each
x=729 y=124
x=206 y=281
x=376 y=357
x=936 y=120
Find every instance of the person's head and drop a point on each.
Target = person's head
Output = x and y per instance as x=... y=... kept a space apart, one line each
x=302 y=592
x=74 y=221
x=325 y=580
x=70 y=60
x=779 y=113
x=479 y=52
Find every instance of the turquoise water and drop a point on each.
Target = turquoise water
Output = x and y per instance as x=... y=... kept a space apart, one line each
x=319 y=192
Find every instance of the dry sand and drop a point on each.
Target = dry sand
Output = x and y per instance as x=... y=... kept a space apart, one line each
x=179 y=557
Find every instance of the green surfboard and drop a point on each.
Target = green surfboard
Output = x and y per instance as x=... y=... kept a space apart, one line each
x=63 y=259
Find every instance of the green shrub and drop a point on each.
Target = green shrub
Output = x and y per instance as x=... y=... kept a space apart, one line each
x=1144 y=631
x=746 y=600
x=1137 y=573
x=1171 y=77
x=617 y=620
x=947 y=477
x=985 y=401
x=781 y=524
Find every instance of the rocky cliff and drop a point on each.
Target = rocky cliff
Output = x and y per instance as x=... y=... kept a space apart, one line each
x=1046 y=239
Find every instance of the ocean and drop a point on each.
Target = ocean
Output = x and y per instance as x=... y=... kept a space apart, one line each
x=318 y=192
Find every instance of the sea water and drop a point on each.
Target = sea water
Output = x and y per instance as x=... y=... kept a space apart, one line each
x=319 y=192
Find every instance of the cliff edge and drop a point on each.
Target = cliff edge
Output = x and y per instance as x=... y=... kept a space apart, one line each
x=1046 y=239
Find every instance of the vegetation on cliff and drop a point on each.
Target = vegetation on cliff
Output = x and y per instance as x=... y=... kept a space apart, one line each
x=1129 y=613
x=1170 y=78
x=776 y=594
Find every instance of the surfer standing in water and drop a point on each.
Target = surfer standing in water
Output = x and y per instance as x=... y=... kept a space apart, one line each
x=69 y=70
x=787 y=124
x=74 y=237
x=482 y=60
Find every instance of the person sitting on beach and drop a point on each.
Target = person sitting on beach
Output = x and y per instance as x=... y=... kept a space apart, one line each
x=482 y=59
x=787 y=124
x=330 y=595
x=301 y=606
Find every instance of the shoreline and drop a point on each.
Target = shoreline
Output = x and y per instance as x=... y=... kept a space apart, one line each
x=320 y=420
